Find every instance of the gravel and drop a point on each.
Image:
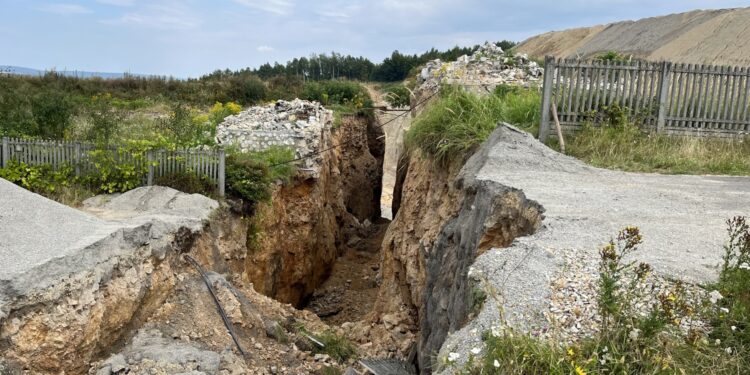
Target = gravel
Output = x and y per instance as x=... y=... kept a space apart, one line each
x=703 y=36
x=542 y=278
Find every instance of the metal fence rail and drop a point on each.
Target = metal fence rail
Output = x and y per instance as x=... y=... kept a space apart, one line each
x=158 y=163
x=689 y=99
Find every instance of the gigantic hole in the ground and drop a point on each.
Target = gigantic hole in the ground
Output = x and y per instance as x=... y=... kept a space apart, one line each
x=351 y=287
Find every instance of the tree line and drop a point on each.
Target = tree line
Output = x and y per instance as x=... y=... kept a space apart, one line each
x=397 y=67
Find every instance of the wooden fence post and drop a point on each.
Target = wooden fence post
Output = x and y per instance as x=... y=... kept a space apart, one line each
x=6 y=152
x=663 y=94
x=549 y=72
x=78 y=159
x=150 y=178
x=222 y=167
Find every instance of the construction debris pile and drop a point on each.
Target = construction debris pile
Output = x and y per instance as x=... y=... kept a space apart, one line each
x=489 y=66
x=298 y=124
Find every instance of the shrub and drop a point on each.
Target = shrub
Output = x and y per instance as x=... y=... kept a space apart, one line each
x=337 y=92
x=112 y=173
x=52 y=112
x=250 y=175
x=246 y=89
x=611 y=56
x=188 y=182
x=41 y=179
x=16 y=118
x=397 y=95
x=104 y=120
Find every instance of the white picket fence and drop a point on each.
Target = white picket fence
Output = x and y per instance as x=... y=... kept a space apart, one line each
x=208 y=163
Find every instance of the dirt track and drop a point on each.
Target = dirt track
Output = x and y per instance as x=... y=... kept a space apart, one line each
x=719 y=37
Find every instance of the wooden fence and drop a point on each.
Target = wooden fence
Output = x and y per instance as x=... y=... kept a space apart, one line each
x=158 y=163
x=672 y=98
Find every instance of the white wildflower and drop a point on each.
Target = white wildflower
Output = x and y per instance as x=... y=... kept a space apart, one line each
x=717 y=342
x=715 y=296
x=633 y=335
x=496 y=364
x=453 y=357
x=724 y=309
x=734 y=328
x=745 y=266
x=495 y=331
x=476 y=351
x=728 y=350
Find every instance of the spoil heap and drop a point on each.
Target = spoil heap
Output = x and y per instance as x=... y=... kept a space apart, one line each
x=488 y=66
x=298 y=124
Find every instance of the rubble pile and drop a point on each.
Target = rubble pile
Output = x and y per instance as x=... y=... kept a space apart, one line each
x=298 y=124
x=489 y=66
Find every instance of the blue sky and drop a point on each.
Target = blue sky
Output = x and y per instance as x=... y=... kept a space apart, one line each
x=191 y=37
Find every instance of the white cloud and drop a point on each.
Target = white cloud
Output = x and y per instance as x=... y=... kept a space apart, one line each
x=281 y=7
x=157 y=16
x=332 y=15
x=265 y=49
x=119 y=3
x=64 y=9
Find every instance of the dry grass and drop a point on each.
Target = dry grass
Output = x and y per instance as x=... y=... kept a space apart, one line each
x=628 y=148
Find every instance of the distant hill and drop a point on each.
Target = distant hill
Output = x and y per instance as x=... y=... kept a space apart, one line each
x=720 y=37
x=19 y=70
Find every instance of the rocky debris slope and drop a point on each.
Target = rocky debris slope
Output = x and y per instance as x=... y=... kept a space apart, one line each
x=699 y=37
x=544 y=282
x=186 y=335
x=298 y=124
x=488 y=67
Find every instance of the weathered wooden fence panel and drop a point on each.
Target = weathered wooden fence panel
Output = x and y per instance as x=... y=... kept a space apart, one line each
x=158 y=163
x=668 y=98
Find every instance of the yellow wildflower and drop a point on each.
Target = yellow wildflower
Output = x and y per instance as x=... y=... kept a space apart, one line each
x=579 y=371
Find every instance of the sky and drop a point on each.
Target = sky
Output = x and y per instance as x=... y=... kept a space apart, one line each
x=190 y=38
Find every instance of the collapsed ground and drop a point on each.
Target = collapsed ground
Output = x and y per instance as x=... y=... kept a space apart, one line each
x=516 y=212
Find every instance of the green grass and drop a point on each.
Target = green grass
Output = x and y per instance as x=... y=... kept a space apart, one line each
x=337 y=347
x=628 y=148
x=460 y=121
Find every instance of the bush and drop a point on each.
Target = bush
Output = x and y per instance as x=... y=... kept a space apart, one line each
x=104 y=120
x=41 y=179
x=250 y=175
x=16 y=118
x=188 y=182
x=60 y=185
x=113 y=174
x=246 y=89
x=52 y=112
x=337 y=92
x=611 y=56
x=397 y=95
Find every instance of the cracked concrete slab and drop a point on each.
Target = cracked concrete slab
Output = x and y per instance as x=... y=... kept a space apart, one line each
x=682 y=219
x=43 y=243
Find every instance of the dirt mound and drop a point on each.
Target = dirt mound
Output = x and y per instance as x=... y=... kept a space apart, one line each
x=701 y=37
